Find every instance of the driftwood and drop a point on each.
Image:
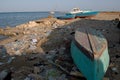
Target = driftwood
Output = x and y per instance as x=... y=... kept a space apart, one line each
x=75 y=74
x=72 y=73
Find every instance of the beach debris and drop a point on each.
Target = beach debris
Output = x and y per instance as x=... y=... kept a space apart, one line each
x=2 y=50
x=10 y=59
x=76 y=74
x=115 y=21
x=32 y=47
x=52 y=74
x=31 y=58
x=37 y=70
x=5 y=75
x=115 y=70
x=48 y=33
x=1 y=63
x=118 y=25
x=34 y=77
x=34 y=40
x=106 y=78
x=56 y=64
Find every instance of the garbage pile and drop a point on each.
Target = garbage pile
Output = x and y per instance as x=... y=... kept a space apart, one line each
x=40 y=50
x=29 y=37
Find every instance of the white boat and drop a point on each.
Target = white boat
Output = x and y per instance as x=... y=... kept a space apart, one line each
x=80 y=13
x=75 y=10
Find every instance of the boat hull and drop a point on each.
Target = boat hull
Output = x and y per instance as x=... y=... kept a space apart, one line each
x=67 y=16
x=86 y=14
x=89 y=51
x=91 y=69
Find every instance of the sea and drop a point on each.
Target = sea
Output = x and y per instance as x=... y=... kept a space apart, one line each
x=13 y=19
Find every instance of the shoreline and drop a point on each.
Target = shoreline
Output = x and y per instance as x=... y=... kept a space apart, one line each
x=49 y=38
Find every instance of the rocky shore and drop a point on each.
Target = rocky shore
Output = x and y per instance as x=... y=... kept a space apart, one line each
x=40 y=50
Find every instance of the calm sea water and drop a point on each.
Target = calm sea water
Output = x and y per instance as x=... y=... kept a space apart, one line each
x=15 y=18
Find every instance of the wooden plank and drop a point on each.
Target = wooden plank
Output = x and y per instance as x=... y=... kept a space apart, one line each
x=91 y=41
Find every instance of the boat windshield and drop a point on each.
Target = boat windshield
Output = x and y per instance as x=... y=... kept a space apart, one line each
x=76 y=9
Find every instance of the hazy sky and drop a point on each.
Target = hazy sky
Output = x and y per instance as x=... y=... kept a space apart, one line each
x=58 y=5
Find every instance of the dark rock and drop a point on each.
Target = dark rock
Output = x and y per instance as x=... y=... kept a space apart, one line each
x=117 y=56
x=5 y=75
x=118 y=25
x=72 y=33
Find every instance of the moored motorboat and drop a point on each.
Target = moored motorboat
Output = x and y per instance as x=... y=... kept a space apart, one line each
x=82 y=14
x=89 y=51
x=67 y=16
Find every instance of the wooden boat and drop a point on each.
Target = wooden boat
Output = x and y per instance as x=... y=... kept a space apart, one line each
x=89 y=51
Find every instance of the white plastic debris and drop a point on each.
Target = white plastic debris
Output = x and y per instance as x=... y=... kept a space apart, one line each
x=34 y=40
x=10 y=59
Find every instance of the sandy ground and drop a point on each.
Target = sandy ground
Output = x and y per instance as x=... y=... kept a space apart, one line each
x=104 y=22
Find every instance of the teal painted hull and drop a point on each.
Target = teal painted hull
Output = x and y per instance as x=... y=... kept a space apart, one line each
x=67 y=16
x=94 y=67
x=87 y=14
x=92 y=70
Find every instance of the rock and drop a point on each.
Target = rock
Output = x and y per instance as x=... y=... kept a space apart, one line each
x=10 y=59
x=17 y=53
x=115 y=69
x=34 y=40
x=52 y=74
x=118 y=25
x=32 y=24
x=62 y=50
x=55 y=25
x=48 y=33
x=47 y=23
x=3 y=74
x=62 y=77
x=31 y=58
x=60 y=22
x=1 y=63
x=36 y=70
x=106 y=78
x=32 y=47
x=2 y=50
x=53 y=51
x=34 y=77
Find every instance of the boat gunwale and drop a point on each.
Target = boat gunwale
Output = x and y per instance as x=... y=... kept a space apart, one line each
x=94 y=54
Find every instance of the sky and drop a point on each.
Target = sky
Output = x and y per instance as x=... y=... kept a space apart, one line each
x=58 y=5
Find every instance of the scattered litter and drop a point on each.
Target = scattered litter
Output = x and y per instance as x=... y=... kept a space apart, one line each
x=34 y=77
x=18 y=53
x=34 y=40
x=36 y=70
x=1 y=63
x=32 y=47
x=10 y=59
x=31 y=58
x=3 y=74
x=48 y=33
